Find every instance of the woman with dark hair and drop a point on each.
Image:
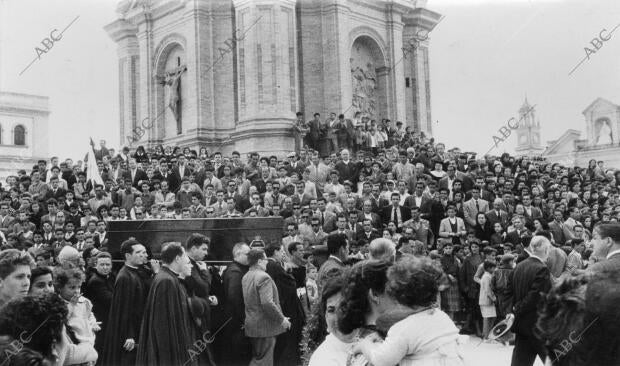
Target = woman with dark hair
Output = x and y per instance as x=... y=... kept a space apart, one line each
x=140 y=155
x=483 y=229
x=540 y=225
x=35 y=326
x=579 y=320
x=450 y=297
x=457 y=201
x=363 y=301
x=322 y=344
x=427 y=336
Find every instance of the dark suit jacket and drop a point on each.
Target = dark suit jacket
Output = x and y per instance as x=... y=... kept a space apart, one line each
x=140 y=175
x=287 y=291
x=424 y=207
x=263 y=314
x=177 y=171
x=172 y=179
x=514 y=238
x=529 y=281
x=386 y=214
x=199 y=284
x=347 y=171
x=494 y=218
x=374 y=234
x=50 y=194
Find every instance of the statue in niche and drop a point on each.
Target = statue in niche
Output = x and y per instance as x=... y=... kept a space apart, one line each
x=364 y=87
x=172 y=79
x=604 y=134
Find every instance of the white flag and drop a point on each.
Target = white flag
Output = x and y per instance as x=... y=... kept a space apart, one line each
x=92 y=171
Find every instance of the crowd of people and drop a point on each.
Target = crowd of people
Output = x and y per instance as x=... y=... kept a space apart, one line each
x=393 y=248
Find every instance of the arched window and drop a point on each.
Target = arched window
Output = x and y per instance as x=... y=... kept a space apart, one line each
x=19 y=135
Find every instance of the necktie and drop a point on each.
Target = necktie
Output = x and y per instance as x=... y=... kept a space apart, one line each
x=395 y=213
x=477 y=206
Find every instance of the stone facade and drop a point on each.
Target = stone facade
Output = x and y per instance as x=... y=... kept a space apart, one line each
x=602 y=142
x=236 y=71
x=23 y=121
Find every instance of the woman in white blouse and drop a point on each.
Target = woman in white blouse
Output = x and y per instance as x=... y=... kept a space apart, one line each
x=427 y=337
x=336 y=347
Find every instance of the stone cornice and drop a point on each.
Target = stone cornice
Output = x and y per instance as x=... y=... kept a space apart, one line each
x=423 y=18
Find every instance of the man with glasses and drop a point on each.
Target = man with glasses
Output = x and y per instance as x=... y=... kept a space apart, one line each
x=260 y=210
x=292 y=235
x=317 y=235
x=297 y=217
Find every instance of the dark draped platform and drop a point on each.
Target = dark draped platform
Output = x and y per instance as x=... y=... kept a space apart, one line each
x=223 y=232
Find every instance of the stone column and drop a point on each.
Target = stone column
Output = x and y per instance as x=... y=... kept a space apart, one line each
x=418 y=24
x=396 y=89
x=125 y=35
x=267 y=73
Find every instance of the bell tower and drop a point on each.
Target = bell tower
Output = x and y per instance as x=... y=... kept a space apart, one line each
x=528 y=132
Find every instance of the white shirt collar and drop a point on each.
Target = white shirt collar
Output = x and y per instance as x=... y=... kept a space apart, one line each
x=612 y=253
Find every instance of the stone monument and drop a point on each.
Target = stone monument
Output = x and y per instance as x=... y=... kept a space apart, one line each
x=231 y=74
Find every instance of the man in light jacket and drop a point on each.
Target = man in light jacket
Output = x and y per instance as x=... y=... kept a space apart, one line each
x=264 y=319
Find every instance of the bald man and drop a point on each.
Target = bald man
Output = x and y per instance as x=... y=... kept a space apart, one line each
x=530 y=279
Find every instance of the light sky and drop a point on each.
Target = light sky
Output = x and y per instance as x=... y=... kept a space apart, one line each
x=485 y=56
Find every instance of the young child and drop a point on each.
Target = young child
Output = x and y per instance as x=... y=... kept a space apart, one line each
x=81 y=322
x=487 y=298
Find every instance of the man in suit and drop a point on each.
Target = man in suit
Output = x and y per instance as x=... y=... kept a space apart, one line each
x=368 y=233
x=315 y=131
x=531 y=212
x=182 y=170
x=199 y=286
x=316 y=235
x=295 y=165
x=515 y=236
x=234 y=308
x=301 y=197
x=606 y=241
x=260 y=210
x=135 y=174
x=529 y=281
x=101 y=236
x=341 y=228
x=367 y=214
x=395 y=212
x=347 y=170
x=287 y=344
x=6 y=220
x=419 y=199
x=474 y=206
x=338 y=250
x=55 y=191
x=264 y=319
x=164 y=175
x=497 y=215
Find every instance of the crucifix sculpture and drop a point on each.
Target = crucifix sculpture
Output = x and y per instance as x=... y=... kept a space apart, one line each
x=173 y=80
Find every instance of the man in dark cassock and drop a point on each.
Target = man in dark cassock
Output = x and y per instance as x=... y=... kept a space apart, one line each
x=167 y=333
x=287 y=351
x=199 y=289
x=99 y=290
x=233 y=333
x=127 y=307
